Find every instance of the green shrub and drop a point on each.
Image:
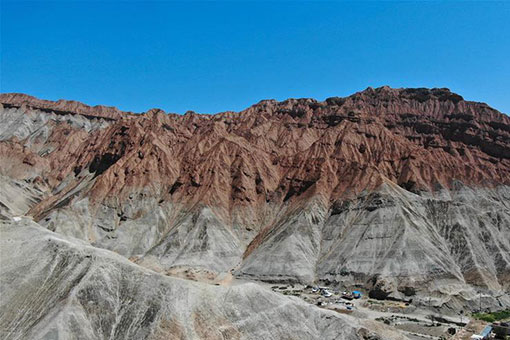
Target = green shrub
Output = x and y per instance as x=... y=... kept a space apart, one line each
x=492 y=317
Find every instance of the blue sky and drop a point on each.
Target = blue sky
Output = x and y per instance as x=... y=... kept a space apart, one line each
x=218 y=56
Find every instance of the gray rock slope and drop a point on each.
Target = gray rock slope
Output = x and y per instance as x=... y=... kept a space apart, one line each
x=55 y=287
x=391 y=242
x=397 y=244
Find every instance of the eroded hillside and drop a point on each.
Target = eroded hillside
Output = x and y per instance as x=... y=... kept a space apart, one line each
x=404 y=192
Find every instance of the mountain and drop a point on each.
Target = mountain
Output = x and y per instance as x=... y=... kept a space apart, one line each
x=402 y=193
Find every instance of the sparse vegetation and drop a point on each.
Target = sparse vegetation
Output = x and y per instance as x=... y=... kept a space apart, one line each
x=492 y=317
x=373 y=302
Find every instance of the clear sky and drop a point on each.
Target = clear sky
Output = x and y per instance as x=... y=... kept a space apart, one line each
x=218 y=56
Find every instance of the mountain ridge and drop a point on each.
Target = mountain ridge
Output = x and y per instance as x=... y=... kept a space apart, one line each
x=73 y=106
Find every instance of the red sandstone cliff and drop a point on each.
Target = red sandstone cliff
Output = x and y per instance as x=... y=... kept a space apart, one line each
x=276 y=152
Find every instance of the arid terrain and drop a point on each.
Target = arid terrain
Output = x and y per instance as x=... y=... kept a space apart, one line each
x=121 y=225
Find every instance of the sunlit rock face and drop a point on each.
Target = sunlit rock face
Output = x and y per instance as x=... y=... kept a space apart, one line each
x=403 y=192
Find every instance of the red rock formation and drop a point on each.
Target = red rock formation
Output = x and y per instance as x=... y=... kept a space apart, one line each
x=61 y=106
x=280 y=152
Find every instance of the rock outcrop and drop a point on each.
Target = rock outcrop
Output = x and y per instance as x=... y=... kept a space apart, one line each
x=61 y=106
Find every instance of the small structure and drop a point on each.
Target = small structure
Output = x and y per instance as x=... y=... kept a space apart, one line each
x=484 y=334
x=356 y=294
x=501 y=329
x=347 y=296
x=326 y=293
